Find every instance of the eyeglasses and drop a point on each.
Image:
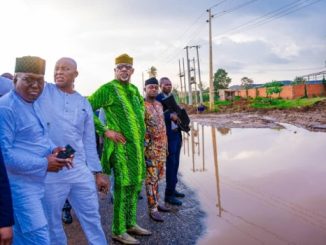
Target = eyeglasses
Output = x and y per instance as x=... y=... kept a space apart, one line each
x=121 y=66
x=30 y=81
x=152 y=86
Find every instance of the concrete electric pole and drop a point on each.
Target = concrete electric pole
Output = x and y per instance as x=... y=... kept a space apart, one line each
x=211 y=82
x=189 y=77
x=195 y=80
x=181 y=86
x=184 y=81
x=200 y=84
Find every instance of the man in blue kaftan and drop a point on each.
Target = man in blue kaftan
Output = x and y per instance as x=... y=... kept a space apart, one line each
x=27 y=151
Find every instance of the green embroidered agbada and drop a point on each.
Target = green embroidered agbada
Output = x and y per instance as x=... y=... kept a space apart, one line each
x=124 y=110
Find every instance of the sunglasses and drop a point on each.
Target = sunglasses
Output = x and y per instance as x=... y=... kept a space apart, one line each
x=126 y=66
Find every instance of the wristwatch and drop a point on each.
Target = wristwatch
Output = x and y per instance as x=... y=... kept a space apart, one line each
x=97 y=172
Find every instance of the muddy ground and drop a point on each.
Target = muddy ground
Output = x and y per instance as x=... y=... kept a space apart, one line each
x=240 y=115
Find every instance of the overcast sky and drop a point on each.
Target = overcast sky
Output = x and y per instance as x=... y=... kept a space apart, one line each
x=262 y=39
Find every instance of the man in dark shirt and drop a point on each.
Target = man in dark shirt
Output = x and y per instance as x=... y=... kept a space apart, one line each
x=174 y=145
x=6 y=212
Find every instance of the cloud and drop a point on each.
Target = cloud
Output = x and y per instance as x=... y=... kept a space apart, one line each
x=156 y=32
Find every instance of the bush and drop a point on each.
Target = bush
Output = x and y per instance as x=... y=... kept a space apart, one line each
x=237 y=98
x=273 y=87
x=222 y=102
x=269 y=103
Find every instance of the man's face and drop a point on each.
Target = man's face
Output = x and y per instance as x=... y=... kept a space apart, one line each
x=166 y=86
x=29 y=85
x=65 y=72
x=123 y=72
x=151 y=90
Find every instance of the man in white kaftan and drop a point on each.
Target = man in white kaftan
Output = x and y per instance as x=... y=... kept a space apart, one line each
x=69 y=118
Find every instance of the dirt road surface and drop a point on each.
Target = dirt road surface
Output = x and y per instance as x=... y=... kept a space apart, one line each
x=183 y=226
x=311 y=118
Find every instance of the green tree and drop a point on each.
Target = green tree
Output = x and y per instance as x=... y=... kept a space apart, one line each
x=299 y=80
x=176 y=93
x=247 y=82
x=221 y=80
x=206 y=94
x=273 y=87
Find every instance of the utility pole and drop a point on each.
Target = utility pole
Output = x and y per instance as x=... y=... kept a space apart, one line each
x=180 y=76
x=189 y=78
x=211 y=83
x=184 y=81
x=194 y=81
x=200 y=84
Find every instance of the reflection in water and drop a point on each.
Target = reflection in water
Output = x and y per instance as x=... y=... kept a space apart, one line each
x=185 y=140
x=273 y=193
x=193 y=146
x=217 y=176
x=195 y=143
x=203 y=146
x=224 y=131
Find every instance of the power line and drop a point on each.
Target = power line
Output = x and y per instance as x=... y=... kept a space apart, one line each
x=282 y=14
x=254 y=23
x=263 y=16
x=196 y=34
x=218 y=3
x=268 y=17
x=272 y=15
x=168 y=50
x=219 y=14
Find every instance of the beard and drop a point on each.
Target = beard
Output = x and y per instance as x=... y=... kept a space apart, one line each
x=124 y=77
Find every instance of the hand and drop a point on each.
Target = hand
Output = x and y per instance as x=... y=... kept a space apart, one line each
x=115 y=136
x=58 y=149
x=56 y=164
x=174 y=117
x=6 y=235
x=102 y=183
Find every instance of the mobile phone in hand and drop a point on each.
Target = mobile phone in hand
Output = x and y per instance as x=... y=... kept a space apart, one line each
x=67 y=153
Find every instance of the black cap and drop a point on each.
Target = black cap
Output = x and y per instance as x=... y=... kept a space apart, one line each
x=151 y=80
x=30 y=64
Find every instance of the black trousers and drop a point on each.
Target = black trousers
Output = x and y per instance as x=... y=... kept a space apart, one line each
x=172 y=165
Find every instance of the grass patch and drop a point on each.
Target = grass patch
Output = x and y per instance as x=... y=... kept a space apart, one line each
x=267 y=103
x=222 y=102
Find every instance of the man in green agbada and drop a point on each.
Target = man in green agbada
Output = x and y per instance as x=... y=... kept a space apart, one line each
x=123 y=146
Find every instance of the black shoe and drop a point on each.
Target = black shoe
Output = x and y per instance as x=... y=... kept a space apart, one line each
x=173 y=201
x=179 y=194
x=66 y=216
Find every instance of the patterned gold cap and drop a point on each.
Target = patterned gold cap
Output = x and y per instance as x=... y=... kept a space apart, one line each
x=124 y=59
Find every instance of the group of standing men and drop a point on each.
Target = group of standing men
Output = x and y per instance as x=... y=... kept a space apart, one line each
x=37 y=121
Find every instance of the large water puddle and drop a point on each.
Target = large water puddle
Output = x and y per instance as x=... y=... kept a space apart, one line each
x=258 y=186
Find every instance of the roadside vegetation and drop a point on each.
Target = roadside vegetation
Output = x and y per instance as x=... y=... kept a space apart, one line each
x=241 y=104
x=268 y=103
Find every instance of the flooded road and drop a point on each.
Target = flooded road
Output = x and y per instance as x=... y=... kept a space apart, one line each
x=258 y=186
